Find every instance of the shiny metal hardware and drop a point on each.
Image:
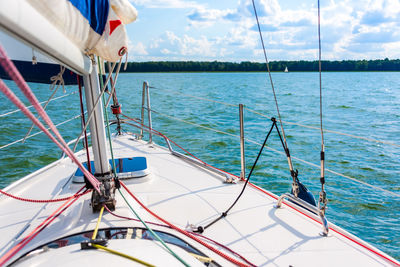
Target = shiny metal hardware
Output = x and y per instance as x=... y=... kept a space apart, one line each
x=146 y=96
x=302 y=203
x=242 y=155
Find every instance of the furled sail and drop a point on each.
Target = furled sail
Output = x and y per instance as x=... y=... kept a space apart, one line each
x=95 y=26
x=52 y=32
x=31 y=63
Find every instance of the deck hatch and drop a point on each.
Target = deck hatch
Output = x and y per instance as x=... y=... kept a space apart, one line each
x=127 y=168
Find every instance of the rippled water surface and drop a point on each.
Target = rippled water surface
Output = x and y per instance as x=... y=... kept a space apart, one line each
x=361 y=104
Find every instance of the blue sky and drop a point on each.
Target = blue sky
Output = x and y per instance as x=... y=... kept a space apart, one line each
x=225 y=30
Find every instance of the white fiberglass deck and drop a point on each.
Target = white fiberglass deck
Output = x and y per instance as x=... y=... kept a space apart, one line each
x=182 y=194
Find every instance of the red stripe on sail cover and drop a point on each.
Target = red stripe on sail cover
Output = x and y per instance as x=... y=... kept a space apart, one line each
x=114 y=24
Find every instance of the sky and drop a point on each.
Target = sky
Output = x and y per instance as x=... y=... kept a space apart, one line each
x=226 y=30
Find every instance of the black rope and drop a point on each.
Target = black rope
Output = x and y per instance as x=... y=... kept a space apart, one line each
x=276 y=103
x=201 y=229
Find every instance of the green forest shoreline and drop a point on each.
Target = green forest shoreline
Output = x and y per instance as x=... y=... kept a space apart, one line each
x=275 y=66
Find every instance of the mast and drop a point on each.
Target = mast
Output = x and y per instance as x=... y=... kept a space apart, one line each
x=97 y=127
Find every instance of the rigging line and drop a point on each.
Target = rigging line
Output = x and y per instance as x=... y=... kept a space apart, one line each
x=292 y=172
x=328 y=131
x=285 y=121
x=151 y=231
x=57 y=80
x=279 y=152
x=57 y=138
x=113 y=84
x=56 y=98
x=101 y=64
x=94 y=107
x=322 y=202
x=32 y=135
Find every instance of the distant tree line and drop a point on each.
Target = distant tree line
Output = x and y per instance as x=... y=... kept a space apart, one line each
x=278 y=66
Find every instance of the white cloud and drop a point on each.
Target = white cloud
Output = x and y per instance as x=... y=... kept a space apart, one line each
x=166 y=4
x=350 y=30
x=137 y=49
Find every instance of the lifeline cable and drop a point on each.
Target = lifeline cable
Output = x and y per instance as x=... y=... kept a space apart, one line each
x=17 y=110
x=251 y=141
x=284 y=121
x=275 y=197
x=295 y=187
x=12 y=71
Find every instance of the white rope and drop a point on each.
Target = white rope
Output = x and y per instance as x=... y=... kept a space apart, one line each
x=32 y=135
x=279 y=152
x=18 y=110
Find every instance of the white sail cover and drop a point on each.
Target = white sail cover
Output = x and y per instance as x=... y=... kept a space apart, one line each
x=95 y=26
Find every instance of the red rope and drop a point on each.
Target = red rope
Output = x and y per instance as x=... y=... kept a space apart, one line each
x=234 y=261
x=41 y=200
x=13 y=251
x=162 y=135
x=12 y=71
x=271 y=195
x=199 y=235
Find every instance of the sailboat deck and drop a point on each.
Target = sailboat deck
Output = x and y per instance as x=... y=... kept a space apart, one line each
x=184 y=194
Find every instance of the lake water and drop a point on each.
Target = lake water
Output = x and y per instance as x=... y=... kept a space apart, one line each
x=361 y=104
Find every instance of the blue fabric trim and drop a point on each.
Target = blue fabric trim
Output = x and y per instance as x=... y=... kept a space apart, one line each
x=123 y=165
x=95 y=11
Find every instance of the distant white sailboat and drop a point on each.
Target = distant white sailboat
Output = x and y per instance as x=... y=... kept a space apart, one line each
x=286 y=70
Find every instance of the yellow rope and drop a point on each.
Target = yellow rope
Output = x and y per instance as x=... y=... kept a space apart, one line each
x=96 y=229
x=122 y=255
x=98 y=223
